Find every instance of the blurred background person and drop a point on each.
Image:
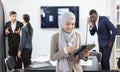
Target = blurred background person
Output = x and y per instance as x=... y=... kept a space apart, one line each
x=12 y=31
x=106 y=32
x=64 y=43
x=25 y=49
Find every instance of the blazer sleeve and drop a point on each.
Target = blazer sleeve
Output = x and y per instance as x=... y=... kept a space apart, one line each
x=23 y=39
x=55 y=52
x=112 y=28
x=21 y=25
x=5 y=27
x=93 y=30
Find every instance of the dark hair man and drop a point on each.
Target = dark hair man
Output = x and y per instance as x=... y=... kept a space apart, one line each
x=106 y=32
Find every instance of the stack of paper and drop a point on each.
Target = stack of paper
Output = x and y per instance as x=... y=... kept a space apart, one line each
x=53 y=63
x=40 y=64
x=41 y=59
x=86 y=63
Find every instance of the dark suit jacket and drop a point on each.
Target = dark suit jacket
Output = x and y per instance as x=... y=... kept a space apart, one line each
x=104 y=28
x=13 y=38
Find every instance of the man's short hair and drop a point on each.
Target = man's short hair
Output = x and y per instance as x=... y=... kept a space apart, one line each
x=12 y=12
x=92 y=12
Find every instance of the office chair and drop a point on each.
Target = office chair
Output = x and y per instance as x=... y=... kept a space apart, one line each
x=118 y=63
x=99 y=57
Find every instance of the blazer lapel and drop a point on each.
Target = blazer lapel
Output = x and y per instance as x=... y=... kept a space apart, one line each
x=10 y=28
x=99 y=24
x=16 y=28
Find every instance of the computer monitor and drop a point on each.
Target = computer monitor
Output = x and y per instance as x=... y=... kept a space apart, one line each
x=50 y=15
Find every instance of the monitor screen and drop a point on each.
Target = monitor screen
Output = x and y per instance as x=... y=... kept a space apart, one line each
x=50 y=15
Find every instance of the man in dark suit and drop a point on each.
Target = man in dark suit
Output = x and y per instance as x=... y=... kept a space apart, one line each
x=106 y=32
x=12 y=30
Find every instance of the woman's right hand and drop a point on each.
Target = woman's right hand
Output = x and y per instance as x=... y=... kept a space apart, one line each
x=70 y=49
x=86 y=53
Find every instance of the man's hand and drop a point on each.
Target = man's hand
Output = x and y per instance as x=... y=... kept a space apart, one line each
x=110 y=43
x=7 y=31
x=90 y=23
x=70 y=49
x=18 y=31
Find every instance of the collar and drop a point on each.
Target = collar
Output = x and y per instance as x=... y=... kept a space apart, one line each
x=97 y=21
x=24 y=24
x=14 y=22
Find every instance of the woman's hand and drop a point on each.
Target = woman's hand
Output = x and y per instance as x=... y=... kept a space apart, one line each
x=70 y=49
x=86 y=53
x=19 y=54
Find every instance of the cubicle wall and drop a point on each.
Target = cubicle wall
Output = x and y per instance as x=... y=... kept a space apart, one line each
x=2 y=46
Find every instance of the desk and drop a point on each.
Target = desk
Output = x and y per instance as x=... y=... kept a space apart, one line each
x=95 y=66
x=52 y=69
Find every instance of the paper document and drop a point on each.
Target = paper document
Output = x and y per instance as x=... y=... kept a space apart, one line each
x=40 y=64
x=86 y=63
x=41 y=58
x=53 y=63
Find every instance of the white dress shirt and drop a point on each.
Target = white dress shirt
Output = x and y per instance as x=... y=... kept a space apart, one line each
x=13 y=26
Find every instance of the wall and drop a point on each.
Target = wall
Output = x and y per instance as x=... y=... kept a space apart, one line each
x=111 y=12
x=42 y=37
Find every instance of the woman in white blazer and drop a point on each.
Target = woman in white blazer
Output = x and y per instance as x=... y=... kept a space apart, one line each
x=64 y=43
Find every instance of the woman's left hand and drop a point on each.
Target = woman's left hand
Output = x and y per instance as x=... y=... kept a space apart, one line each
x=86 y=53
x=19 y=54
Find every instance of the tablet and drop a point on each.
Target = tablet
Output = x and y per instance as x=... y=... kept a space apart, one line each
x=82 y=47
